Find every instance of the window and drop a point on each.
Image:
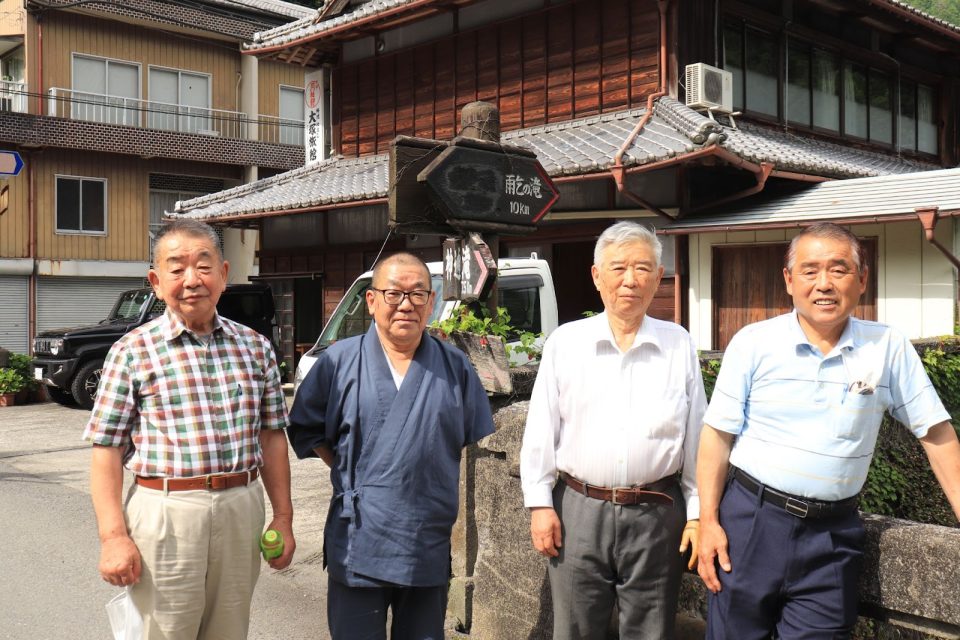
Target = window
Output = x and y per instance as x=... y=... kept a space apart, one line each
x=292 y=115
x=823 y=91
x=105 y=91
x=180 y=101
x=81 y=205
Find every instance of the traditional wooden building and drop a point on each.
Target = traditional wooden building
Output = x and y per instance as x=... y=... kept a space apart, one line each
x=795 y=93
x=119 y=110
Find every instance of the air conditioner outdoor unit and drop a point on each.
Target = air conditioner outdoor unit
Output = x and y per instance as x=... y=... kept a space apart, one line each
x=709 y=88
x=209 y=132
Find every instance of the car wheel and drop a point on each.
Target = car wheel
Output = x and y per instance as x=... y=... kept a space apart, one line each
x=86 y=383
x=61 y=396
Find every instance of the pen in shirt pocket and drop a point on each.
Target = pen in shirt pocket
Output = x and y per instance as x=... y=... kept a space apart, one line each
x=239 y=391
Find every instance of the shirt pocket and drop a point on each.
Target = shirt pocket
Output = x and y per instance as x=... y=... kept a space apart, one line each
x=858 y=415
x=245 y=393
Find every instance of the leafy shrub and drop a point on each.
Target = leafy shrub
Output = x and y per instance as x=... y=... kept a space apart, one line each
x=23 y=364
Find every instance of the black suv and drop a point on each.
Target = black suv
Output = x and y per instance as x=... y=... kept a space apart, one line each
x=70 y=361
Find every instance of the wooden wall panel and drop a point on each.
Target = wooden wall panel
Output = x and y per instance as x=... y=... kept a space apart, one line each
x=614 y=55
x=488 y=75
x=573 y=60
x=446 y=118
x=367 y=106
x=466 y=70
x=586 y=60
x=644 y=74
x=511 y=76
x=560 y=64
x=534 y=40
x=349 y=112
x=404 y=93
x=424 y=94
x=386 y=103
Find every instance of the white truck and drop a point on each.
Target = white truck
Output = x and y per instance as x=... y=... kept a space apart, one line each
x=524 y=288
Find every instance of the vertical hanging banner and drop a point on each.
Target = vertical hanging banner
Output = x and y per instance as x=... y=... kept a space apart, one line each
x=314 y=134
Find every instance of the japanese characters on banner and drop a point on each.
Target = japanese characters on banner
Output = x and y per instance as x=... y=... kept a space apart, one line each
x=313 y=91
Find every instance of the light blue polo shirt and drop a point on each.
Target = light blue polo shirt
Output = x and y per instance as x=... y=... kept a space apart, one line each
x=807 y=424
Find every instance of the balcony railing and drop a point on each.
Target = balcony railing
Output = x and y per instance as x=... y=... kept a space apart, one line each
x=13 y=96
x=133 y=112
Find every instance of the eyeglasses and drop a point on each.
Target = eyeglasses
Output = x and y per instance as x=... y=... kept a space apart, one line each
x=394 y=297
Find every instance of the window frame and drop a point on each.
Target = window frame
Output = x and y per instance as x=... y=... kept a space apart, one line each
x=739 y=26
x=303 y=121
x=56 y=206
x=180 y=117
x=137 y=115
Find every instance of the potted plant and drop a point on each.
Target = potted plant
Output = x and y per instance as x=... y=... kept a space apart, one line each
x=482 y=339
x=23 y=365
x=10 y=383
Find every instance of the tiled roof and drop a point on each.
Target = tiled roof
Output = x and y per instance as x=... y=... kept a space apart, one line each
x=277 y=7
x=576 y=147
x=307 y=29
x=314 y=185
x=859 y=199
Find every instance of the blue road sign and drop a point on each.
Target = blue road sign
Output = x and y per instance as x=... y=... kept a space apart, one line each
x=10 y=163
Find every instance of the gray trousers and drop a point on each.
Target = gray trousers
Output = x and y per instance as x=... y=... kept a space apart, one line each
x=612 y=554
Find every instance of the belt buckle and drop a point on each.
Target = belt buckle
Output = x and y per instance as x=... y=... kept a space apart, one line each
x=615 y=500
x=796 y=507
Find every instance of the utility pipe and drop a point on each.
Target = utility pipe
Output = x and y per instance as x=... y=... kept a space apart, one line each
x=40 y=91
x=618 y=171
x=31 y=253
x=928 y=220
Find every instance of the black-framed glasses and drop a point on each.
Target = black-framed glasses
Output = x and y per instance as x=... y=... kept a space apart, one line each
x=394 y=297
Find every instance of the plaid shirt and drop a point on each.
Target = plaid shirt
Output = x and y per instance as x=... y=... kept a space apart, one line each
x=182 y=407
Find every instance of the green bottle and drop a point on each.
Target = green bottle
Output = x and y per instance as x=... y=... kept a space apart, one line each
x=271 y=544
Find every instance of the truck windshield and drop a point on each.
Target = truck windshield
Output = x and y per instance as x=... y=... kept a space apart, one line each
x=130 y=305
x=351 y=317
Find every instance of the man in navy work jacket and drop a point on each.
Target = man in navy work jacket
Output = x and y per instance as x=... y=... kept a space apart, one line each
x=795 y=413
x=390 y=413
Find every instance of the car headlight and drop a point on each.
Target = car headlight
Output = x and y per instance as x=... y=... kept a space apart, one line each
x=56 y=346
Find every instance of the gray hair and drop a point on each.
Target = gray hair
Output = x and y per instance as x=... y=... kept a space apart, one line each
x=829 y=231
x=623 y=233
x=191 y=228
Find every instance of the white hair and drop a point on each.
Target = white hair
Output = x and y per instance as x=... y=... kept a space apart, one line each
x=624 y=233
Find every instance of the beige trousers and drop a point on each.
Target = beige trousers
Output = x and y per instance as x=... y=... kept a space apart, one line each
x=200 y=560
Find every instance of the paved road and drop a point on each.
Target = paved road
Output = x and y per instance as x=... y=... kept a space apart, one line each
x=50 y=586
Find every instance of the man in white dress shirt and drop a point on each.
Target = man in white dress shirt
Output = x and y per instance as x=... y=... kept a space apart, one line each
x=608 y=459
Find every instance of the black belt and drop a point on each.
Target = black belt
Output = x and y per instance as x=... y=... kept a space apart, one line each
x=794 y=505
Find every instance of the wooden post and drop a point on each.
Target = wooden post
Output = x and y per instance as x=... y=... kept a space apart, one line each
x=481 y=121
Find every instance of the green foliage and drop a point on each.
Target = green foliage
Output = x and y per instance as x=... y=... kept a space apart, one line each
x=528 y=345
x=10 y=381
x=467 y=321
x=948 y=10
x=900 y=482
x=23 y=364
x=485 y=325
x=709 y=368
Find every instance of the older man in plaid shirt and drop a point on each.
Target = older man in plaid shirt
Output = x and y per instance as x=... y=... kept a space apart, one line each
x=191 y=404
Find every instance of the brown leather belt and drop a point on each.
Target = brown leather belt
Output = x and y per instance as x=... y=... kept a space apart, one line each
x=213 y=482
x=623 y=495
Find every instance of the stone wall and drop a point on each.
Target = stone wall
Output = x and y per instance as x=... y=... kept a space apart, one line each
x=911 y=576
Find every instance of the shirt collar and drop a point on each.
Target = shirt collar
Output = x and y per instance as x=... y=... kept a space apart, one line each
x=846 y=341
x=172 y=326
x=646 y=334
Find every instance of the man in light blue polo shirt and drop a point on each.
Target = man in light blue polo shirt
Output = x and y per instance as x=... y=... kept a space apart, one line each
x=795 y=413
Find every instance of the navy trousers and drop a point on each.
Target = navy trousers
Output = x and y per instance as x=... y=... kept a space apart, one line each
x=791 y=575
x=360 y=613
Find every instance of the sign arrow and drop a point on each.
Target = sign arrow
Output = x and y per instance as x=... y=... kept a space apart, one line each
x=10 y=163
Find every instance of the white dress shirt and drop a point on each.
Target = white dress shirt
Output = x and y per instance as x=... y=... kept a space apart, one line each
x=612 y=418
